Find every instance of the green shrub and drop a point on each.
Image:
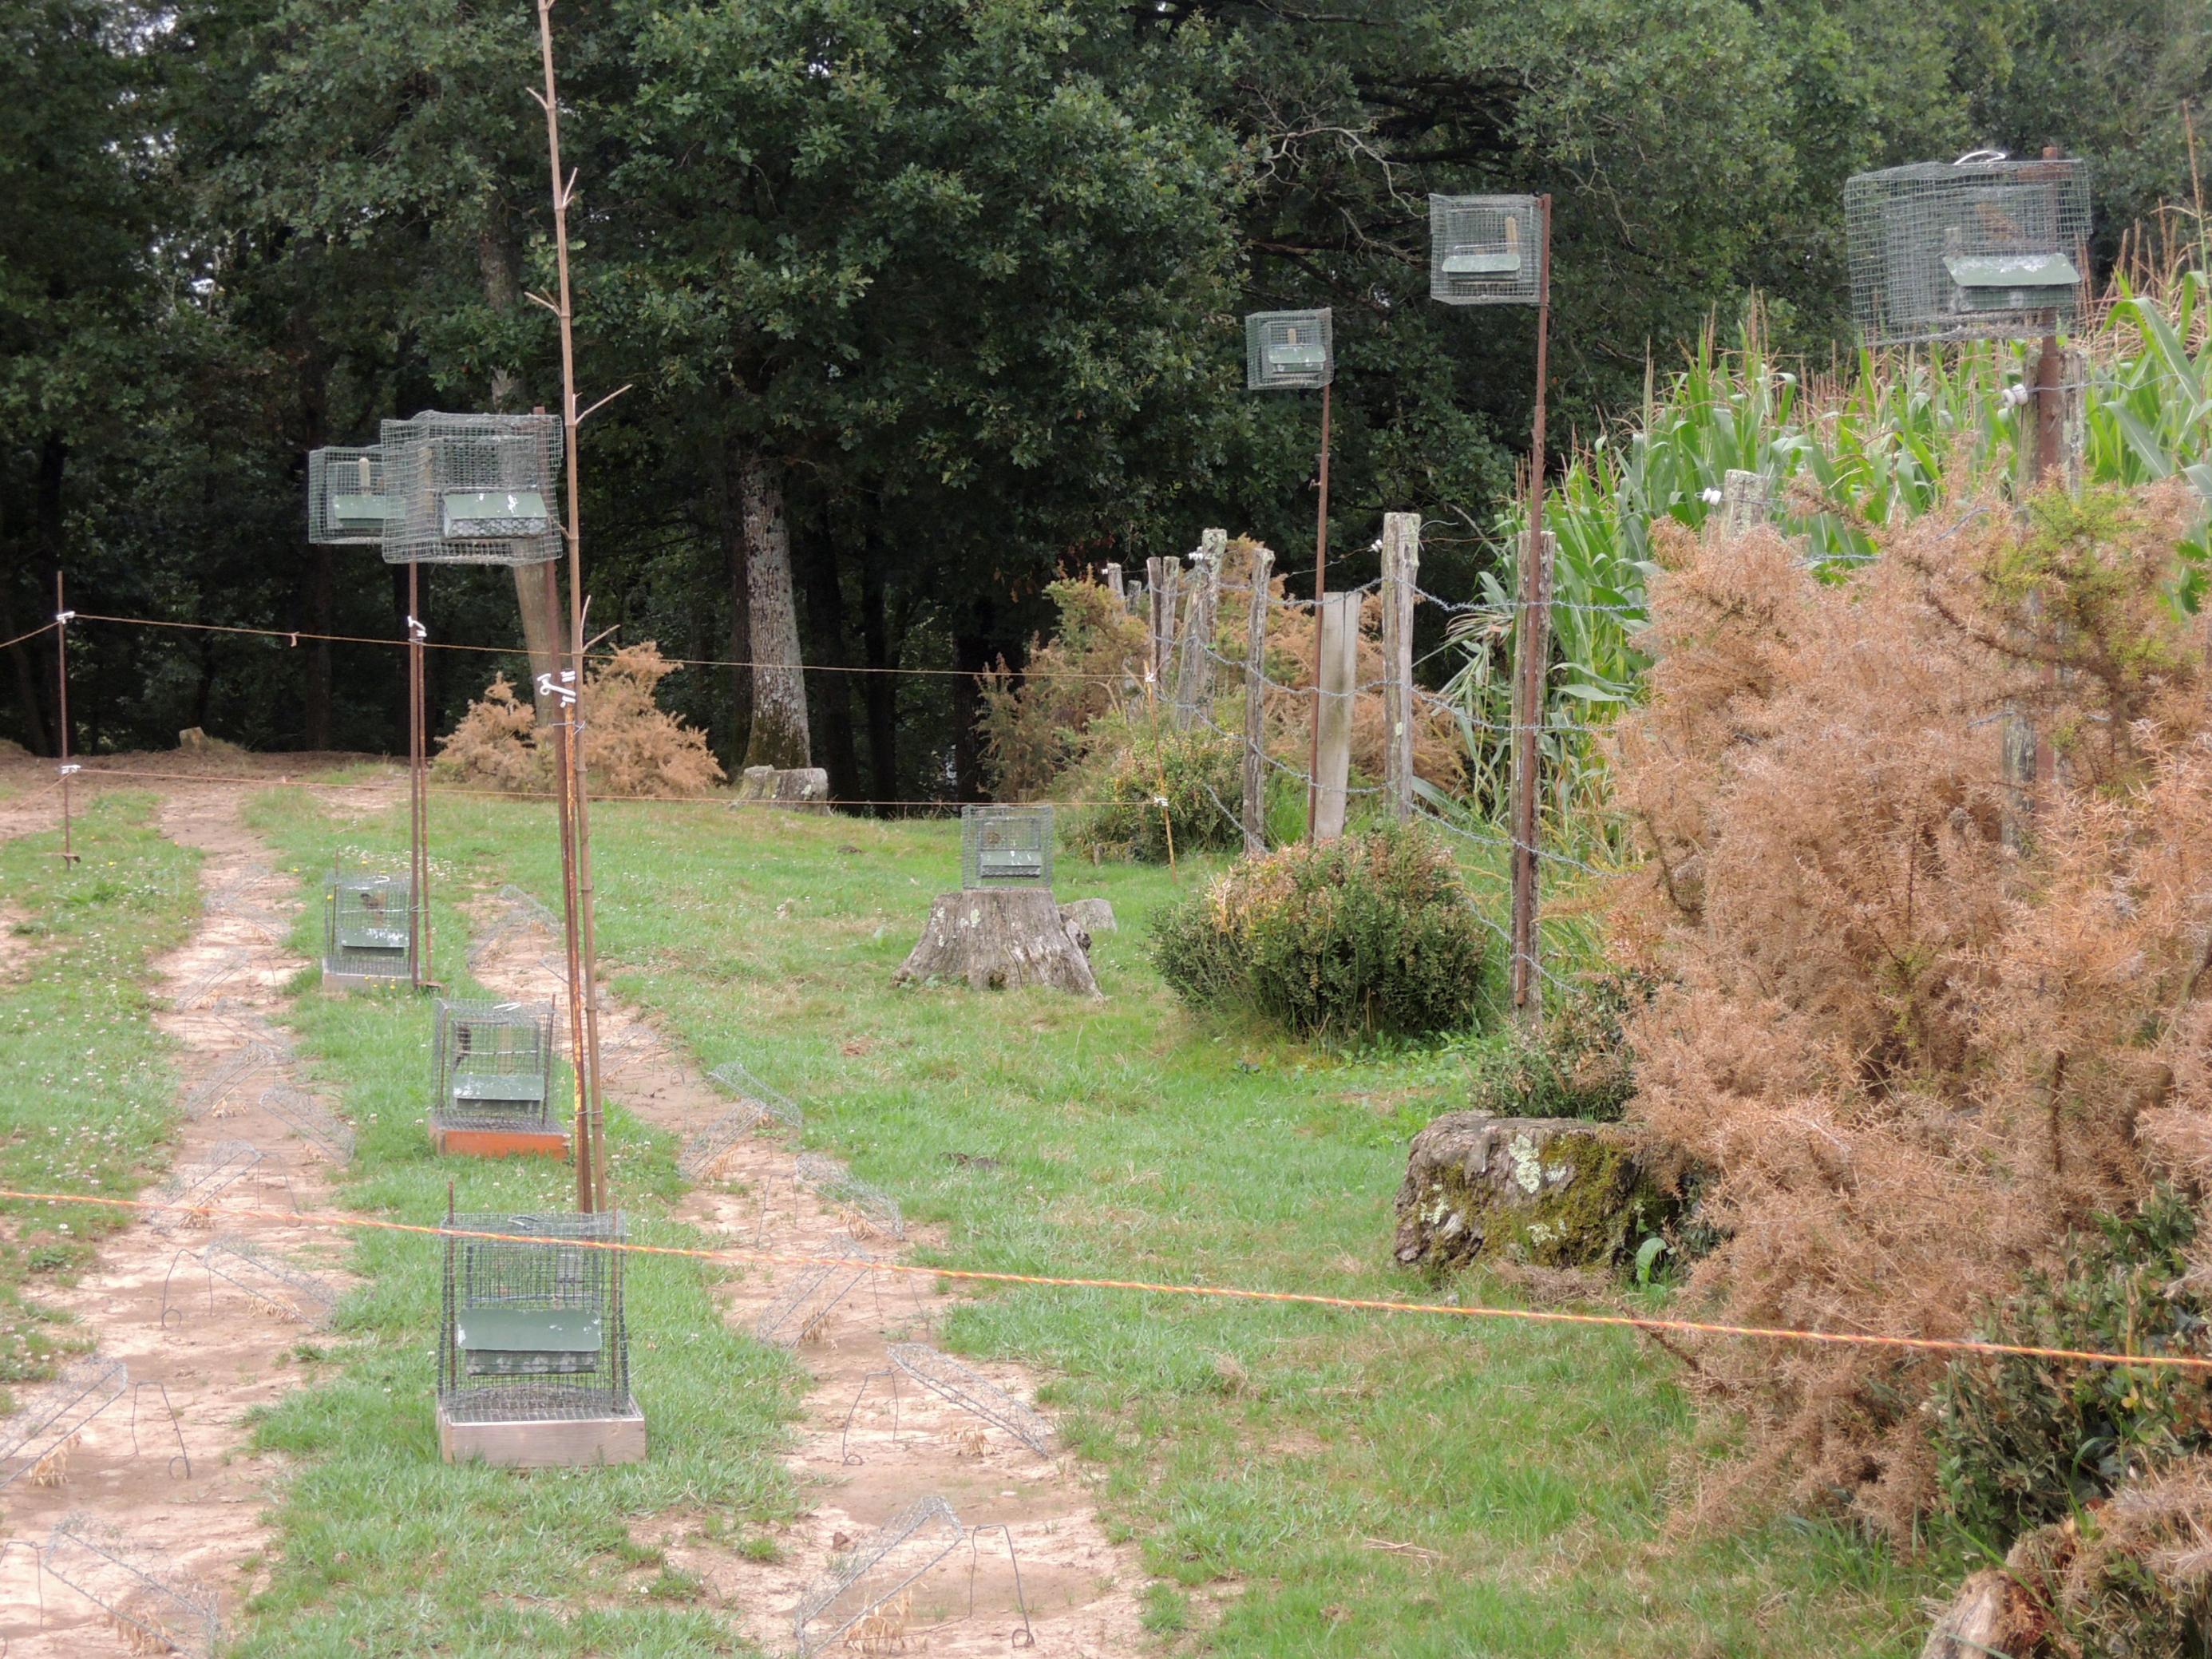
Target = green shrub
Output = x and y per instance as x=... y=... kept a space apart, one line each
x=2023 y=1442
x=1370 y=935
x=1136 y=764
x=1576 y=1064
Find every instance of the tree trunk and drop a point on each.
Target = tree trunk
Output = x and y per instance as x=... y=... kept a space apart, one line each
x=778 y=736
x=879 y=687
x=994 y=940
x=731 y=499
x=27 y=678
x=833 y=692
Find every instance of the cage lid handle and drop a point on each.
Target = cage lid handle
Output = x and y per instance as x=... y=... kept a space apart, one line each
x=1974 y=155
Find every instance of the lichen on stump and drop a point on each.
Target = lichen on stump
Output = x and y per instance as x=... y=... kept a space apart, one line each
x=998 y=939
x=1542 y=1192
x=806 y=787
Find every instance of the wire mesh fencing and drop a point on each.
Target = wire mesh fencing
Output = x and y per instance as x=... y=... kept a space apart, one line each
x=183 y=1200
x=812 y=1298
x=970 y=1390
x=867 y=1209
x=270 y=1278
x=50 y=1422
x=756 y=1105
x=472 y=488
x=534 y=1325
x=1984 y=247
x=863 y=1598
x=154 y=1610
x=307 y=1117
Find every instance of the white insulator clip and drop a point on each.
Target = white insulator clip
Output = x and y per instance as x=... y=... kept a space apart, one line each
x=64 y=618
x=2016 y=395
x=1711 y=497
x=417 y=632
x=69 y=766
x=564 y=688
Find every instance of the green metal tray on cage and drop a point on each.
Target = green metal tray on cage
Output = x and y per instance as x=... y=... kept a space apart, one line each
x=519 y=1087
x=494 y=513
x=372 y=938
x=359 y=511
x=2012 y=281
x=528 y=1341
x=1501 y=262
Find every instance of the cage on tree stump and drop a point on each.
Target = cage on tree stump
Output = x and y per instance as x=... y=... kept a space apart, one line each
x=1485 y=249
x=472 y=488
x=533 y=1357
x=1003 y=847
x=494 y=1075
x=368 y=926
x=346 y=500
x=1289 y=351
x=1984 y=247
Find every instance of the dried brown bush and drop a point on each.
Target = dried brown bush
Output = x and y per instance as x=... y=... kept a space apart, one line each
x=632 y=746
x=1915 y=1054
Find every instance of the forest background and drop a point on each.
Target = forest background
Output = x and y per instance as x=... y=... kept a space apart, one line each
x=947 y=292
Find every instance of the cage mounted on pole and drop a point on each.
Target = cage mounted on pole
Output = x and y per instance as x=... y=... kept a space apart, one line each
x=1485 y=249
x=1004 y=847
x=1984 y=247
x=1289 y=351
x=534 y=1357
x=472 y=490
x=346 y=501
x=368 y=926
x=492 y=1076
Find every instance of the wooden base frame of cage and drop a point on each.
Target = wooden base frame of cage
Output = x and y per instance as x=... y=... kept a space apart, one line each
x=454 y=1141
x=562 y=1442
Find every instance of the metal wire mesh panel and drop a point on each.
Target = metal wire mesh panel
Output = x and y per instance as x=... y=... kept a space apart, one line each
x=58 y=1412
x=368 y=919
x=162 y=1616
x=533 y=1319
x=869 y=1209
x=811 y=1298
x=311 y=1121
x=472 y=488
x=1979 y=248
x=346 y=500
x=292 y=1290
x=1005 y=847
x=879 y=1569
x=972 y=1391
x=1289 y=351
x=197 y=1185
x=1484 y=251
x=494 y=1065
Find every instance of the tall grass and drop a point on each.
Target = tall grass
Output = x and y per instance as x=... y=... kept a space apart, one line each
x=1868 y=441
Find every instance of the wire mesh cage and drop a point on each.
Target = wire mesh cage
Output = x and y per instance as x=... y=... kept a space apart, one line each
x=494 y=1065
x=346 y=499
x=1485 y=250
x=472 y=488
x=1005 y=847
x=1980 y=248
x=368 y=922
x=533 y=1319
x=1289 y=351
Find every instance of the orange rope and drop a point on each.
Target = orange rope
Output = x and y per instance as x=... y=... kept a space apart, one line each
x=1217 y=1292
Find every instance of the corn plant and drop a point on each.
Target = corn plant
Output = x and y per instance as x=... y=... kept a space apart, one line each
x=1840 y=453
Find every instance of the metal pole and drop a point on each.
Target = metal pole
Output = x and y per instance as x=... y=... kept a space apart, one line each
x=62 y=615
x=1532 y=637
x=418 y=802
x=1321 y=588
x=590 y=1157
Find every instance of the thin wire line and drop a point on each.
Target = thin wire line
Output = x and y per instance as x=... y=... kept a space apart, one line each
x=43 y=627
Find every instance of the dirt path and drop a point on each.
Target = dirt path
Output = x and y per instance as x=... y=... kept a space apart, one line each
x=900 y=1445
x=206 y=1363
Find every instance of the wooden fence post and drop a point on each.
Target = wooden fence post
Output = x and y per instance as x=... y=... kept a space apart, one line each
x=1194 y=669
x=1114 y=584
x=1164 y=648
x=1532 y=646
x=2053 y=434
x=1743 y=501
x=1402 y=563
x=1255 y=706
x=1154 y=593
x=1340 y=673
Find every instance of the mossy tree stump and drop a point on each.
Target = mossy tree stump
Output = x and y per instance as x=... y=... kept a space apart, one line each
x=996 y=938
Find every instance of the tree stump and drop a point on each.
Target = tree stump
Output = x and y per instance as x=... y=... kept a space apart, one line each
x=806 y=787
x=1002 y=938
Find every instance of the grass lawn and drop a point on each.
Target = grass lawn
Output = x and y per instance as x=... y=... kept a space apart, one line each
x=87 y=1088
x=1301 y=1482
